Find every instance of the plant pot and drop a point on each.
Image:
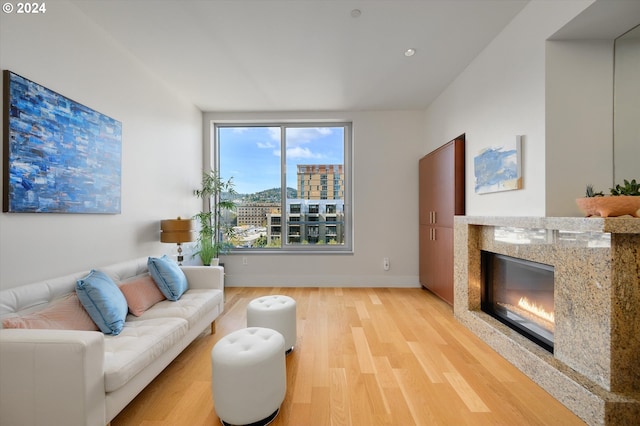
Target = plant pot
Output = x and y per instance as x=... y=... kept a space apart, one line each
x=610 y=206
x=212 y=262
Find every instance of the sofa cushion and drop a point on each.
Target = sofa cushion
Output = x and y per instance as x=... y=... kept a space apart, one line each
x=139 y=344
x=64 y=314
x=168 y=276
x=103 y=300
x=192 y=306
x=141 y=294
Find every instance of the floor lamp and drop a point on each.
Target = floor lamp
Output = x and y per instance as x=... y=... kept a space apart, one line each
x=177 y=231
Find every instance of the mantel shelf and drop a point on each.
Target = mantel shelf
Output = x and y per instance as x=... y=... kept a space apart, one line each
x=614 y=225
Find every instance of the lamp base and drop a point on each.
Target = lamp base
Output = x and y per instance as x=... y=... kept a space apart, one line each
x=180 y=257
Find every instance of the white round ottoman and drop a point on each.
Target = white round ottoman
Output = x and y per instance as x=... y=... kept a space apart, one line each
x=276 y=312
x=248 y=376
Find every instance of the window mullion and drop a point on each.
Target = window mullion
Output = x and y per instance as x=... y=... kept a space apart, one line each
x=284 y=225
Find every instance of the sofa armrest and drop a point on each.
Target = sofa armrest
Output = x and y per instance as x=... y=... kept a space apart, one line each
x=52 y=377
x=205 y=277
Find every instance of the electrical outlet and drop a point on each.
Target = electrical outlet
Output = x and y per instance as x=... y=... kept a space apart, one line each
x=245 y=261
x=385 y=264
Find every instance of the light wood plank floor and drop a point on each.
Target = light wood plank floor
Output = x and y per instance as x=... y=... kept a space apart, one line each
x=363 y=357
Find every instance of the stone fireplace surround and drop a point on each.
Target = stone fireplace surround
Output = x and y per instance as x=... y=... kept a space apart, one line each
x=595 y=368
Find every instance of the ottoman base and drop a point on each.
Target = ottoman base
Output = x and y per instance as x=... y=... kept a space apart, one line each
x=263 y=422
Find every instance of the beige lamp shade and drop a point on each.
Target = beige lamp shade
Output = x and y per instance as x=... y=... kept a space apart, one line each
x=176 y=231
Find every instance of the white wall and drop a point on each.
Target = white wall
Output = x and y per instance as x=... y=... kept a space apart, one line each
x=627 y=107
x=579 y=122
x=161 y=147
x=386 y=149
x=501 y=94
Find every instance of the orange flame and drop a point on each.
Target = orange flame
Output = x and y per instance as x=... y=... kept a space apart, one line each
x=525 y=304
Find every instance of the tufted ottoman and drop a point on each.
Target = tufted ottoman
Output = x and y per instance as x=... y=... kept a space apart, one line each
x=275 y=312
x=249 y=379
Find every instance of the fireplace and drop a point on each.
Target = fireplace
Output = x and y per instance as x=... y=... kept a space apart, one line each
x=519 y=293
x=593 y=368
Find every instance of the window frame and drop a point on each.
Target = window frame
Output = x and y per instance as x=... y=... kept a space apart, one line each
x=285 y=248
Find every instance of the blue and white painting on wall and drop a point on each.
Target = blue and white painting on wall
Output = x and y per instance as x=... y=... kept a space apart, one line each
x=498 y=168
x=59 y=156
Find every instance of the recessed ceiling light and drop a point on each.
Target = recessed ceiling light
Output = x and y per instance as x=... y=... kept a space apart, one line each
x=355 y=13
x=409 y=52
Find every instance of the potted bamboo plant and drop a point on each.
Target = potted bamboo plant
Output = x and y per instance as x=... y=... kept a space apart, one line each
x=212 y=228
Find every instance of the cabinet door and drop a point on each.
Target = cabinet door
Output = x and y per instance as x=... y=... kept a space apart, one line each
x=436 y=261
x=425 y=198
x=443 y=185
x=442 y=266
x=426 y=256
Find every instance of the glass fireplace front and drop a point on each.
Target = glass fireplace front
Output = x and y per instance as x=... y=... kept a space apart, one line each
x=519 y=293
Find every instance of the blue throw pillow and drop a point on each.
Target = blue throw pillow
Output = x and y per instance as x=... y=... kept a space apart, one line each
x=168 y=277
x=103 y=301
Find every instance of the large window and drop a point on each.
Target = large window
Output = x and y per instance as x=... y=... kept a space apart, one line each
x=298 y=178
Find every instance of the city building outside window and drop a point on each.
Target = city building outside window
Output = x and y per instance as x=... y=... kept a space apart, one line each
x=301 y=169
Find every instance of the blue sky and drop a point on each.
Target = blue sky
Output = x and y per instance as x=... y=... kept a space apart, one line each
x=251 y=155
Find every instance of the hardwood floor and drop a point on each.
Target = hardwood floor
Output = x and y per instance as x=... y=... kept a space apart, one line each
x=363 y=357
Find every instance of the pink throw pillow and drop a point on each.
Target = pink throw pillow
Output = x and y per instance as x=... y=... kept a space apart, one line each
x=67 y=314
x=141 y=294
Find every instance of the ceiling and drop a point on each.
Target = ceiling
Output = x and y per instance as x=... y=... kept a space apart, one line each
x=303 y=55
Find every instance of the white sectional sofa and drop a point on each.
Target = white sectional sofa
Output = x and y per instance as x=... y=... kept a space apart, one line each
x=85 y=378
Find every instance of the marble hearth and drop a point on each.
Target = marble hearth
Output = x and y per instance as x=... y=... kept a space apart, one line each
x=595 y=367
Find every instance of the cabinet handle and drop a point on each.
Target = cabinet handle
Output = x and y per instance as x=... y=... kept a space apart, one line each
x=434 y=217
x=434 y=234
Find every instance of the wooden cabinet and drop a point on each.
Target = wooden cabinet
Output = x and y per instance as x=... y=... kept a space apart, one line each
x=442 y=194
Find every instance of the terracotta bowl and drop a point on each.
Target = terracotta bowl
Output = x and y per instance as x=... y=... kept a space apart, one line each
x=610 y=206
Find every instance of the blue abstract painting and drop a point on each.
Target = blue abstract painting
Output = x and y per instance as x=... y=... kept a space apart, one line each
x=59 y=156
x=498 y=168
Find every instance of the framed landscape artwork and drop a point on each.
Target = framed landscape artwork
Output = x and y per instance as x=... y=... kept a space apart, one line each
x=498 y=168
x=59 y=156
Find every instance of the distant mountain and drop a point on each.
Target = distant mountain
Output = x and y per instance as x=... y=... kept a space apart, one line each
x=267 y=196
